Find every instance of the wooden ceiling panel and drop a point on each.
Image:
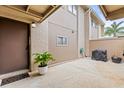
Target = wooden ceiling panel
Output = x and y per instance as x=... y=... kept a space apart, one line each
x=112 y=12
x=39 y=8
x=22 y=7
x=111 y=8
x=16 y=15
x=27 y=13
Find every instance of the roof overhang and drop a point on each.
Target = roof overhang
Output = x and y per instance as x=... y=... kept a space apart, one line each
x=27 y=13
x=94 y=15
x=85 y=7
x=112 y=12
x=97 y=19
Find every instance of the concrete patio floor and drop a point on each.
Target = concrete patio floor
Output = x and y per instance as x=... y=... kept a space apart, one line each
x=81 y=73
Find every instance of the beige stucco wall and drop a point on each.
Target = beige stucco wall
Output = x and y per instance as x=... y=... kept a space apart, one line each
x=64 y=18
x=81 y=31
x=39 y=40
x=113 y=46
x=43 y=37
x=62 y=53
x=87 y=27
x=62 y=22
x=94 y=33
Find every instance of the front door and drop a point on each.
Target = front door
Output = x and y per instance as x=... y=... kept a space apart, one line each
x=13 y=45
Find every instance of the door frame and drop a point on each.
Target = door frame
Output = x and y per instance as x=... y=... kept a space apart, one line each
x=29 y=47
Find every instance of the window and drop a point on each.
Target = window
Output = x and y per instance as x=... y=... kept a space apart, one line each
x=62 y=41
x=72 y=9
x=75 y=10
x=93 y=24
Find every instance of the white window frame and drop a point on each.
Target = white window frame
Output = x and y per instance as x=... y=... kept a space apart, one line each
x=72 y=9
x=57 y=44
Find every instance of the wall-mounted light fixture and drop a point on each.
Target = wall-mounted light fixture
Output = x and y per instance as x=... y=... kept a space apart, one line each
x=73 y=31
x=33 y=24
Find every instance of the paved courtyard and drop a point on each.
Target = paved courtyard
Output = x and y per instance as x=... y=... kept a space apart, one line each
x=81 y=73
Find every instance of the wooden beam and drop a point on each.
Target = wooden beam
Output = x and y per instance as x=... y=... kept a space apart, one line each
x=17 y=9
x=49 y=11
x=116 y=14
x=104 y=10
x=53 y=5
x=11 y=14
x=34 y=12
x=17 y=15
x=27 y=9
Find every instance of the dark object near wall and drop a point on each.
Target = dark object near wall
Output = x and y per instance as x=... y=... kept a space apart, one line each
x=14 y=78
x=116 y=59
x=100 y=55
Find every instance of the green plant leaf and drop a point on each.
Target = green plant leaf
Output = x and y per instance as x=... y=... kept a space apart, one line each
x=42 y=59
x=114 y=29
x=120 y=29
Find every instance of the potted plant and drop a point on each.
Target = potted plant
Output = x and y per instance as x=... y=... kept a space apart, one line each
x=42 y=60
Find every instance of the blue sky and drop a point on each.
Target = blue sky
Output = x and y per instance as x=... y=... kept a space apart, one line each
x=100 y=14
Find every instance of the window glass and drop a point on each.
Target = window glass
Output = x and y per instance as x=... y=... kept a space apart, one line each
x=75 y=10
x=70 y=8
x=62 y=41
x=92 y=23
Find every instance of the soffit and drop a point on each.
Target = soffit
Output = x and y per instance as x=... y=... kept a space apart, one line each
x=27 y=13
x=112 y=12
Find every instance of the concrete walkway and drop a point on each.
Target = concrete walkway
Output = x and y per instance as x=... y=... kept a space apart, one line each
x=77 y=74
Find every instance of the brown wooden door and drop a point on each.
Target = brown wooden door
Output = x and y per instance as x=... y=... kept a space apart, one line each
x=13 y=46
